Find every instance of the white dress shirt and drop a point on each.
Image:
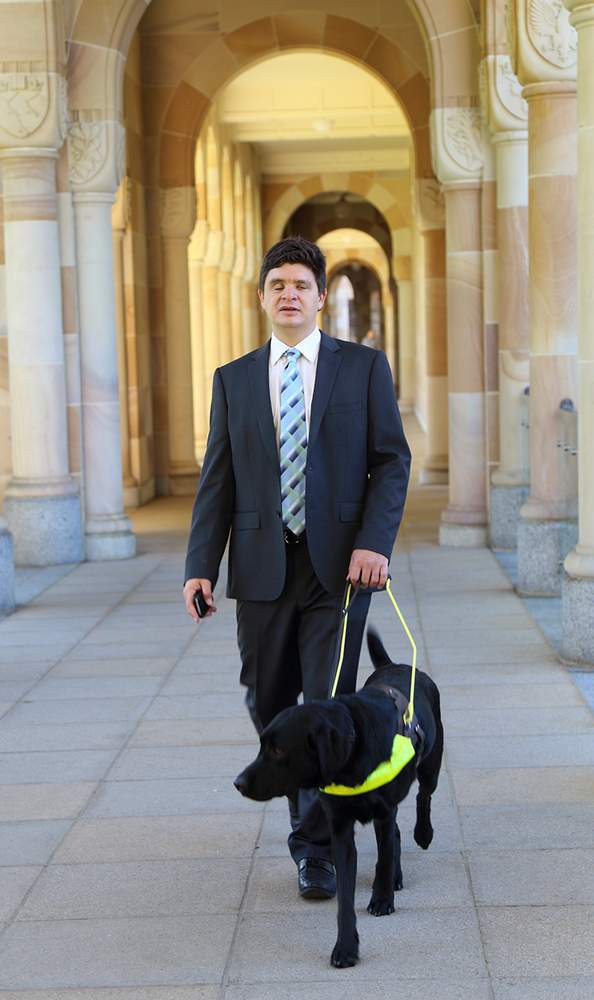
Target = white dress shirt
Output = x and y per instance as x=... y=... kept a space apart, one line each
x=307 y=364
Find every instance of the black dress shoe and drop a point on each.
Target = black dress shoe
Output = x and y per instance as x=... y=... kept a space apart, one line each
x=317 y=879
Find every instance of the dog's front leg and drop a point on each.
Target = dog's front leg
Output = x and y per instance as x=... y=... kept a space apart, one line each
x=382 y=896
x=346 y=949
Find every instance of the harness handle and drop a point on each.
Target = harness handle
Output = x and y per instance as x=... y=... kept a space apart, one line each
x=348 y=601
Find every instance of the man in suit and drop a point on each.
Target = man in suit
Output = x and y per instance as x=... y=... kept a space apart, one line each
x=307 y=465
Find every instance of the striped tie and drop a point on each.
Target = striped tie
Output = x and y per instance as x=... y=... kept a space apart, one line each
x=293 y=444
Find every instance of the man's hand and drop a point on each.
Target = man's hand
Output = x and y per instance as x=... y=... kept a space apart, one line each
x=368 y=568
x=190 y=588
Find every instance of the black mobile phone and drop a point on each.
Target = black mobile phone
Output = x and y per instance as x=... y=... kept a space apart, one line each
x=200 y=604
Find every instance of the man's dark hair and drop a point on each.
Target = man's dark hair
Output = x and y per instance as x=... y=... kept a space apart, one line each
x=295 y=250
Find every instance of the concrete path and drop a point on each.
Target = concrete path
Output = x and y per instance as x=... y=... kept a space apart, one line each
x=132 y=870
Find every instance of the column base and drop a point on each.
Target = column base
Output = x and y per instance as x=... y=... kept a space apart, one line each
x=131 y=497
x=463 y=536
x=109 y=537
x=183 y=485
x=46 y=530
x=6 y=569
x=506 y=502
x=577 y=619
x=542 y=547
x=434 y=471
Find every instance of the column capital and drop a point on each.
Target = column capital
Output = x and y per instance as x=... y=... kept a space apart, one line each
x=541 y=40
x=177 y=212
x=549 y=88
x=456 y=144
x=96 y=152
x=503 y=104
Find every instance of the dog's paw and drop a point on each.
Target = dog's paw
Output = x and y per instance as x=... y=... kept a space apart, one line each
x=423 y=835
x=380 y=906
x=345 y=957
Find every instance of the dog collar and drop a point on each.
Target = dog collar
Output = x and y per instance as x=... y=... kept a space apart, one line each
x=403 y=751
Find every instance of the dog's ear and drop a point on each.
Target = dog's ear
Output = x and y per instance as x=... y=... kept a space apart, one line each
x=377 y=651
x=333 y=748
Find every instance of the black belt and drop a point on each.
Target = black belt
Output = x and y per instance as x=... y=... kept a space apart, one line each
x=291 y=538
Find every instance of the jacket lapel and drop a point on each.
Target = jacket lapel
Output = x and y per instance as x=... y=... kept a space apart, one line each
x=260 y=384
x=329 y=360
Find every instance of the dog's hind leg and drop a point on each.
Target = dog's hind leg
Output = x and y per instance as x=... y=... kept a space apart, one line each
x=346 y=950
x=382 y=896
x=428 y=774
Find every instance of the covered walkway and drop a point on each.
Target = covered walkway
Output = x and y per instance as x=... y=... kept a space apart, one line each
x=132 y=870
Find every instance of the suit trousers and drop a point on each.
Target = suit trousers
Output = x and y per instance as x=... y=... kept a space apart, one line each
x=288 y=648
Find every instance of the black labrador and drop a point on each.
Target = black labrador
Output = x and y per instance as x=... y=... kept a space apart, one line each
x=341 y=741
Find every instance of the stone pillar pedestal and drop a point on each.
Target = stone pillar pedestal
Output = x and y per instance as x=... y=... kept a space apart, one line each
x=464 y=522
x=577 y=639
x=546 y=530
x=435 y=466
x=42 y=504
x=6 y=568
x=108 y=530
x=510 y=481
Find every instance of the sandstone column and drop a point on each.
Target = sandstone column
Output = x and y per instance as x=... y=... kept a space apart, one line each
x=430 y=219
x=210 y=310
x=406 y=336
x=507 y=118
x=578 y=581
x=178 y=217
x=42 y=504
x=464 y=520
x=119 y=221
x=545 y=64
x=196 y=252
x=96 y=149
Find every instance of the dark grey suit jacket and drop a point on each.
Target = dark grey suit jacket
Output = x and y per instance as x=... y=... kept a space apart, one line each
x=356 y=478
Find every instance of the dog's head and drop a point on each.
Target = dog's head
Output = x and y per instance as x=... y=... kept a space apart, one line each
x=303 y=747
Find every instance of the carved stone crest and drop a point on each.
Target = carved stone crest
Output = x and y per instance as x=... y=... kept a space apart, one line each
x=551 y=33
x=509 y=88
x=24 y=102
x=87 y=142
x=463 y=137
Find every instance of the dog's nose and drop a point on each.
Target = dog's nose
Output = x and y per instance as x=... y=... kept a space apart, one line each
x=241 y=784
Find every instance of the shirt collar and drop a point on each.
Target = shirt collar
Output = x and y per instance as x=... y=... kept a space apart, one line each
x=308 y=347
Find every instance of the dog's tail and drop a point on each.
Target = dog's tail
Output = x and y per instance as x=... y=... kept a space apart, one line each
x=377 y=650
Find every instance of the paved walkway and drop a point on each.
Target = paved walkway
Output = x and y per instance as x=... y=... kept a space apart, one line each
x=132 y=870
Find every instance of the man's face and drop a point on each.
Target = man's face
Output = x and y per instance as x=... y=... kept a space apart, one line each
x=291 y=299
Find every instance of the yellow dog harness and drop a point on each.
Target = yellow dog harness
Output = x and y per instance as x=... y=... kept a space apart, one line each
x=403 y=749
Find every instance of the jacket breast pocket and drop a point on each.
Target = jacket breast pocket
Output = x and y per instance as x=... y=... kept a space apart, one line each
x=345 y=406
x=350 y=511
x=246 y=519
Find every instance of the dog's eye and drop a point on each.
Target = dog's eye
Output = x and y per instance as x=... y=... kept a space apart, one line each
x=276 y=751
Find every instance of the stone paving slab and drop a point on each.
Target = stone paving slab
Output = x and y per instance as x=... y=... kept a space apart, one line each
x=543 y=825
x=569 y=988
x=348 y=989
x=137 y=889
x=157 y=838
x=532 y=878
x=75 y=736
x=30 y=843
x=421 y=944
x=54 y=766
x=141 y=993
x=121 y=952
x=45 y=801
x=129 y=667
x=515 y=936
